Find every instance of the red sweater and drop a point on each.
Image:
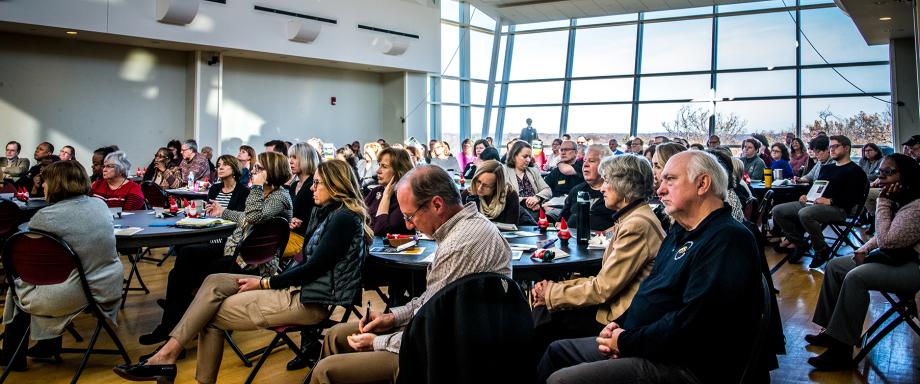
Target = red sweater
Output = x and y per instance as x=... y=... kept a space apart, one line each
x=128 y=197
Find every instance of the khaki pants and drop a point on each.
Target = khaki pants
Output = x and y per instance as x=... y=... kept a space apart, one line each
x=341 y=364
x=219 y=306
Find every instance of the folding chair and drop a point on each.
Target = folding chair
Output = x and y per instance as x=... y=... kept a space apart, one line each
x=903 y=310
x=845 y=229
x=762 y=330
x=40 y=258
x=154 y=196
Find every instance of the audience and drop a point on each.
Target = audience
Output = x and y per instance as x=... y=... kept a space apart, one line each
x=526 y=181
x=431 y=204
x=553 y=157
x=339 y=237
x=367 y=165
x=115 y=189
x=764 y=149
x=846 y=188
x=277 y=146
x=871 y=160
x=635 y=146
x=567 y=172
x=887 y=262
x=246 y=156
x=12 y=167
x=466 y=153
x=193 y=164
x=601 y=215
x=677 y=328
x=161 y=173
x=582 y=307
x=798 y=158
x=266 y=200
x=98 y=157
x=442 y=157
x=67 y=153
x=85 y=224
x=229 y=192
x=497 y=200
x=303 y=159
x=780 y=155
x=381 y=201
x=819 y=146
x=753 y=164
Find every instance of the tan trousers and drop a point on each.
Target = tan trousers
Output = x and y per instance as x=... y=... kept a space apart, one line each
x=219 y=306
x=340 y=364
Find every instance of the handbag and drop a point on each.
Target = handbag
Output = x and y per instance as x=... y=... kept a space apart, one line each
x=294 y=245
x=892 y=256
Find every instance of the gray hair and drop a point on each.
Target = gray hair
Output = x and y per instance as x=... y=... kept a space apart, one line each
x=629 y=175
x=307 y=157
x=120 y=160
x=602 y=150
x=702 y=163
x=428 y=181
x=191 y=144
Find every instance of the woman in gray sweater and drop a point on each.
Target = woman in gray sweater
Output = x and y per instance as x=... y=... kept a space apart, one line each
x=85 y=223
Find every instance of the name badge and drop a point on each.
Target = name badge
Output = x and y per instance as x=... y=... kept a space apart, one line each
x=561 y=182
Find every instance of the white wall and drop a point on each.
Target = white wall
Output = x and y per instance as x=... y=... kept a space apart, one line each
x=265 y=100
x=88 y=95
x=237 y=26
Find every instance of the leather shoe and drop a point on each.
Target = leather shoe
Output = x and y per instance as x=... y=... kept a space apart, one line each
x=47 y=349
x=838 y=358
x=156 y=337
x=311 y=350
x=162 y=374
x=798 y=254
x=820 y=258
x=821 y=339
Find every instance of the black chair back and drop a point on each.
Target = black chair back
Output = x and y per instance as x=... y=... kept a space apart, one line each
x=10 y=218
x=154 y=195
x=754 y=363
x=265 y=242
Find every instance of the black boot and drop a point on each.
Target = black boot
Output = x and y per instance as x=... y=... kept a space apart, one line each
x=47 y=349
x=837 y=357
x=820 y=258
x=15 y=331
x=309 y=347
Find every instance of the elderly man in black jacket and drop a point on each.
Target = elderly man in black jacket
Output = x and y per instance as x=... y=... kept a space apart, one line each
x=696 y=311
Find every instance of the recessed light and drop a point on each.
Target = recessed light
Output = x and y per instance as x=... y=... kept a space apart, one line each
x=886 y=18
x=71 y=33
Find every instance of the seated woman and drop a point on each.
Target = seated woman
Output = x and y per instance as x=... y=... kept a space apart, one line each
x=381 y=202
x=526 y=181
x=339 y=235
x=441 y=156
x=86 y=225
x=303 y=159
x=228 y=192
x=798 y=157
x=161 y=173
x=496 y=200
x=780 y=155
x=114 y=187
x=844 y=297
x=246 y=156
x=583 y=306
x=367 y=165
x=266 y=200
x=470 y=168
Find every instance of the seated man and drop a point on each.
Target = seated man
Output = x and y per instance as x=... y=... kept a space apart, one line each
x=698 y=308
x=601 y=216
x=467 y=243
x=819 y=146
x=567 y=173
x=847 y=186
x=12 y=167
x=44 y=151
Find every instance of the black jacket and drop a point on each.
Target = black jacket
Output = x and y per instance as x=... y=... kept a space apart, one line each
x=333 y=258
x=237 y=198
x=303 y=203
x=562 y=184
x=477 y=329
x=701 y=304
x=601 y=216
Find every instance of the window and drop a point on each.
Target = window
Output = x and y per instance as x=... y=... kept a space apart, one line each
x=755 y=5
x=539 y=55
x=543 y=25
x=549 y=92
x=608 y=19
x=736 y=120
x=450 y=91
x=751 y=41
x=604 y=51
x=450 y=50
x=545 y=120
x=862 y=119
x=826 y=81
x=678 y=13
x=675 y=88
x=659 y=119
x=834 y=35
x=599 y=122
x=601 y=90
x=450 y=125
x=480 y=55
x=754 y=84
x=677 y=46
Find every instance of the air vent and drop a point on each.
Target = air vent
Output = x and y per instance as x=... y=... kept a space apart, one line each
x=392 y=32
x=295 y=14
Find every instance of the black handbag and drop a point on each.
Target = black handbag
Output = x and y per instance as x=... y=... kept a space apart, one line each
x=892 y=256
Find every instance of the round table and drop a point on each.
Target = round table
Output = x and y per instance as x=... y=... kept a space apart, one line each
x=781 y=193
x=185 y=193
x=156 y=236
x=32 y=205
x=580 y=259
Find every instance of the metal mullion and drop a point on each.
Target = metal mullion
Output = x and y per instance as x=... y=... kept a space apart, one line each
x=567 y=83
x=490 y=86
x=464 y=31
x=503 y=95
x=798 y=69
x=714 y=52
x=637 y=69
x=435 y=118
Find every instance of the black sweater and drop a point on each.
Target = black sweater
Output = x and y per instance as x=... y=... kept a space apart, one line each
x=846 y=184
x=601 y=216
x=561 y=184
x=237 y=197
x=701 y=304
x=303 y=203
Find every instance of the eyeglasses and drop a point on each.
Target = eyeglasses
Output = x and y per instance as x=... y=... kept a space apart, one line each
x=776 y=151
x=409 y=218
x=318 y=182
x=108 y=166
x=887 y=171
x=257 y=168
x=566 y=149
x=834 y=146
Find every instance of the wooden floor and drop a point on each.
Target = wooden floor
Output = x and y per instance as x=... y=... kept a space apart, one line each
x=895 y=360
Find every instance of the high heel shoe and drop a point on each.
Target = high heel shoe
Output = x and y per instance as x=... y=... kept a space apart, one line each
x=162 y=374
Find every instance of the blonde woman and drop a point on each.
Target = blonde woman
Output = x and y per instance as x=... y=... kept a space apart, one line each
x=496 y=200
x=339 y=235
x=367 y=166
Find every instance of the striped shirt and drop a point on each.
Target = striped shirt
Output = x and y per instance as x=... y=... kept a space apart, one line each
x=223 y=199
x=467 y=243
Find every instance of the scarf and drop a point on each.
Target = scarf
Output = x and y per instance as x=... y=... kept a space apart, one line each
x=495 y=207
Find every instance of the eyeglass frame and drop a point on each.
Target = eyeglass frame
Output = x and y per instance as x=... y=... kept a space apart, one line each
x=409 y=218
x=887 y=171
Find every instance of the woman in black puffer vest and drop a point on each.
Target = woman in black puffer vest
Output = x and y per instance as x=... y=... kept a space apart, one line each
x=330 y=274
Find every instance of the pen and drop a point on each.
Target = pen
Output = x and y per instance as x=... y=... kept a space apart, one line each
x=367 y=313
x=549 y=244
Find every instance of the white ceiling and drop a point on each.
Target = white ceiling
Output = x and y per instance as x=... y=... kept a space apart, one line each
x=866 y=15
x=532 y=11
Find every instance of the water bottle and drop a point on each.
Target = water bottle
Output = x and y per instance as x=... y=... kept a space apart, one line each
x=584 y=217
x=767 y=178
x=191 y=180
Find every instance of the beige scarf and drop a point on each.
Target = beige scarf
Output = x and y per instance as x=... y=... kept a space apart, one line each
x=494 y=208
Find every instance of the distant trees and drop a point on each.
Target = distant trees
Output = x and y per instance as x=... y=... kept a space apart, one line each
x=860 y=128
x=692 y=124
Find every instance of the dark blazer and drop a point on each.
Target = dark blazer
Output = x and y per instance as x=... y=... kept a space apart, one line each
x=303 y=202
x=237 y=198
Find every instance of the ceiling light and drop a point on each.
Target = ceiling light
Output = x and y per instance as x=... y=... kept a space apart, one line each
x=71 y=33
x=886 y=18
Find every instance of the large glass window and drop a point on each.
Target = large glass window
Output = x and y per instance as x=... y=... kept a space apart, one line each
x=764 y=40
x=675 y=88
x=687 y=120
x=736 y=120
x=599 y=122
x=826 y=81
x=677 y=46
x=480 y=54
x=601 y=90
x=545 y=120
x=450 y=125
x=539 y=55
x=755 y=84
x=836 y=38
x=862 y=119
x=450 y=50
x=604 y=51
x=549 y=92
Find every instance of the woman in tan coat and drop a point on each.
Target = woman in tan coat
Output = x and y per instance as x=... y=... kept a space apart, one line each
x=582 y=307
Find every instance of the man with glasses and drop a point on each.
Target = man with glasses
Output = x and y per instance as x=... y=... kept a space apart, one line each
x=467 y=243
x=193 y=162
x=12 y=167
x=913 y=144
x=635 y=146
x=567 y=173
x=846 y=187
x=714 y=142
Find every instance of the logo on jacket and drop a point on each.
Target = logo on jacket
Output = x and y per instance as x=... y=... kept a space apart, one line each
x=683 y=250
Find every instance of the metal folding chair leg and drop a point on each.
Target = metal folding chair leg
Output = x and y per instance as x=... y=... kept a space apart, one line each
x=134 y=271
x=19 y=347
